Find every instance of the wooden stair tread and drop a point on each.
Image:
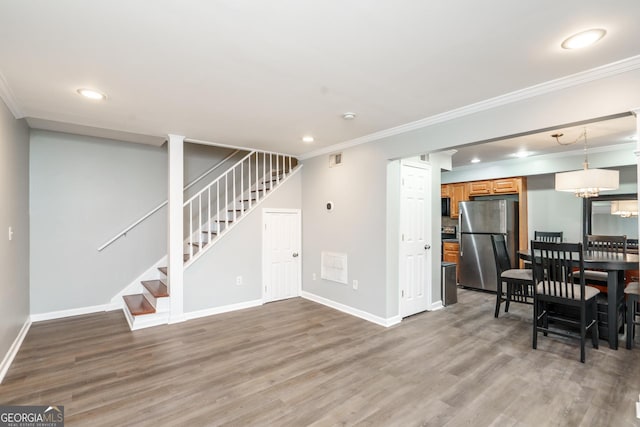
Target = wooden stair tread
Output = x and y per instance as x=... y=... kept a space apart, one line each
x=259 y=189
x=138 y=304
x=163 y=270
x=157 y=288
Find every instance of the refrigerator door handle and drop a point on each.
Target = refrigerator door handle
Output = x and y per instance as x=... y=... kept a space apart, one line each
x=460 y=231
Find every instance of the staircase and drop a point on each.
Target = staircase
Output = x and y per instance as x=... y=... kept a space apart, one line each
x=209 y=215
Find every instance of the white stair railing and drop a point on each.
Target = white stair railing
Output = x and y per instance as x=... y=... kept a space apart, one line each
x=212 y=211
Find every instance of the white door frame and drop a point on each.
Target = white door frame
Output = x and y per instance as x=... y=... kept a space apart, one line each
x=428 y=233
x=265 y=212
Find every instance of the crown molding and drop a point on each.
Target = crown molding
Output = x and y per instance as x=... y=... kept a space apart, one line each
x=7 y=96
x=604 y=71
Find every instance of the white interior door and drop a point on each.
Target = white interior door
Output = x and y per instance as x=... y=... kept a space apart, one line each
x=415 y=238
x=281 y=254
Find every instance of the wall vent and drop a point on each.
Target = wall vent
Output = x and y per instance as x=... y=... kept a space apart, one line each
x=335 y=160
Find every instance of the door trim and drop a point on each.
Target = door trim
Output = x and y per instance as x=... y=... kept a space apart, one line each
x=265 y=212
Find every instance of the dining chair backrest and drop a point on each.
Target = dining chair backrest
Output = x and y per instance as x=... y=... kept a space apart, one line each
x=561 y=270
x=548 y=236
x=503 y=263
x=600 y=243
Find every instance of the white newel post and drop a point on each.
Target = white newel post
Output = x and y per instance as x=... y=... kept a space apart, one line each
x=175 y=230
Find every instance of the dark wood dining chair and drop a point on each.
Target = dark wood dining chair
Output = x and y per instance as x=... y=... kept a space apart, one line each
x=602 y=243
x=555 y=286
x=632 y=292
x=513 y=284
x=548 y=236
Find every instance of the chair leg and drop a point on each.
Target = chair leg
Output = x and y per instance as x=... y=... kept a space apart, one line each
x=509 y=295
x=534 y=344
x=594 y=324
x=498 y=300
x=583 y=332
x=545 y=319
x=630 y=309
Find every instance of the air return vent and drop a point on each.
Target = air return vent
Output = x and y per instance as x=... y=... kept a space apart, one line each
x=335 y=160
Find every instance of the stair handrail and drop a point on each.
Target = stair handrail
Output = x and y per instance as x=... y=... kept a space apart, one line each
x=212 y=183
x=161 y=205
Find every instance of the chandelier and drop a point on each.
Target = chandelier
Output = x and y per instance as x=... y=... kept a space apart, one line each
x=586 y=182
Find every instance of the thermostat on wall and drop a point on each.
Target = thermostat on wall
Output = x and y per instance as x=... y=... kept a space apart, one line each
x=329 y=206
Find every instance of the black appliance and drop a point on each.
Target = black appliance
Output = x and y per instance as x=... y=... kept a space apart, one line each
x=448 y=232
x=446 y=206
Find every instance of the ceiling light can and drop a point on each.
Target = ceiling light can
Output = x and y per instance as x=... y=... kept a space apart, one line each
x=307 y=138
x=349 y=116
x=92 y=94
x=583 y=38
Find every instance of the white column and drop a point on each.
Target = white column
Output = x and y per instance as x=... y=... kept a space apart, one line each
x=175 y=219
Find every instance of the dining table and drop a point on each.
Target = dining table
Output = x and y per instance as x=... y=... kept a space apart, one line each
x=615 y=264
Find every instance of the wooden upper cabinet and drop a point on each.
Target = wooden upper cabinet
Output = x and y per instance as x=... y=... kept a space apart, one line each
x=458 y=193
x=444 y=190
x=480 y=188
x=507 y=186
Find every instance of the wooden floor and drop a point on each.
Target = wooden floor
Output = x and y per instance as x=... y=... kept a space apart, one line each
x=298 y=363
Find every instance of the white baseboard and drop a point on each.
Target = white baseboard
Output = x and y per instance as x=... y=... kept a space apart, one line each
x=436 y=306
x=352 y=311
x=71 y=312
x=13 y=350
x=222 y=309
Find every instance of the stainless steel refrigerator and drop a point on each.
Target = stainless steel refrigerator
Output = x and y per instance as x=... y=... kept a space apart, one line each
x=478 y=220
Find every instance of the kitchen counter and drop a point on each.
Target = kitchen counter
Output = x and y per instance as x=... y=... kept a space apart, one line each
x=450 y=241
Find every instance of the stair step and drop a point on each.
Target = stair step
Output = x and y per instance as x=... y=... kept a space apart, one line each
x=259 y=189
x=213 y=233
x=138 y=304
x=157 y=288
x=223 y=220
x=236 y=210
x=247 y=200
x=197 y=245
x=163 y=270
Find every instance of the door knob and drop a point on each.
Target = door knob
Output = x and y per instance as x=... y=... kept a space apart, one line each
x=295 y=254
x=427 y=246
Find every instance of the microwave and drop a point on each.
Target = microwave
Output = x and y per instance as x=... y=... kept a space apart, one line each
x=446 y=206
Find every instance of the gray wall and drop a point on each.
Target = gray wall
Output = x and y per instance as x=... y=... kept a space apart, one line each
x=84 y=190
x=551 y=210
x=358 y=187
x=356 y=226
x=14 y=212
x=210 y=281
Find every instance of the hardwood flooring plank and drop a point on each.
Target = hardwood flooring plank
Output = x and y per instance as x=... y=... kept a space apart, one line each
x=299 y=363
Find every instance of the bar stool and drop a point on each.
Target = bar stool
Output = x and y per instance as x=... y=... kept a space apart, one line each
x=632 y=292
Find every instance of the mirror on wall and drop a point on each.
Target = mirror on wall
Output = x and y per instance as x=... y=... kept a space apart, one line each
x=613 y=214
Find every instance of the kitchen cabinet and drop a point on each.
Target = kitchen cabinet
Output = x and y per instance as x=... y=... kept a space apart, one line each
x=506 y=186
x=445 y=190
x=458 y=193
x=461 y=191
x=480 y=188
x=451 y=253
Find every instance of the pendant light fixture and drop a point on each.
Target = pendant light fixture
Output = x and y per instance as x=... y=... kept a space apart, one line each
x=586 y=182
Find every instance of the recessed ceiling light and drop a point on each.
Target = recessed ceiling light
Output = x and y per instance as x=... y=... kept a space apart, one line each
x=307 y=138
x=522 y=153
x=349 y=116
x=475 y=160
x=584 y=38
x=92 y=94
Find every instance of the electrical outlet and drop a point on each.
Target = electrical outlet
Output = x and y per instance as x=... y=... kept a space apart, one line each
x=10 y=233
x=239 y=280
x=313 y=276
x=355 y=284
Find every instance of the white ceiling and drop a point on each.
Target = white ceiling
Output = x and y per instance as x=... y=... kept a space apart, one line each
x=264 y=73
x=600 y=135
